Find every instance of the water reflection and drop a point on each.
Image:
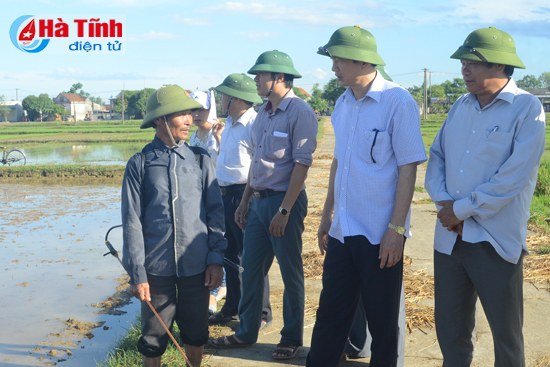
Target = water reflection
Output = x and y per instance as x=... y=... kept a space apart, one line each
x=68 y=153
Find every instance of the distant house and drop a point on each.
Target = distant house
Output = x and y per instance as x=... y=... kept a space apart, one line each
x=543 y=94
x=304 y=92
x=76 y=105
x=16 y=113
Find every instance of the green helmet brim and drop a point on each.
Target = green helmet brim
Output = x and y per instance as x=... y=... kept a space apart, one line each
x=493 y=56
x=245 y=96
x=351 y=53
x=165 y=109
x=258 y=68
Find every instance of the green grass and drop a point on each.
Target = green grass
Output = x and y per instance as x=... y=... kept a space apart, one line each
x=321 y=128
x=419 y=189
x=125 y=353
x=61 y=171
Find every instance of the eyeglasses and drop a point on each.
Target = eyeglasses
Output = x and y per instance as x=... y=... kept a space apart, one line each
x=475 y=52
x=325 y=50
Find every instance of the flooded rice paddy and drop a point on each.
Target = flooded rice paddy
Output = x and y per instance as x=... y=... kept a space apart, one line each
x=70 y=153
x=61 y=301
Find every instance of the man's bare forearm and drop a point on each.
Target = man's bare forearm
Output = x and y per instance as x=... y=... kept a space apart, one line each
x=329 y=201
x=297 y=179
x=404 y=193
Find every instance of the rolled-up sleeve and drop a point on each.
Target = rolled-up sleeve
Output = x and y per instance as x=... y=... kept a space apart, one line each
x=407 y=143
x=304 y=137
x=512 y=177
x=133 y=244
x=215 y=221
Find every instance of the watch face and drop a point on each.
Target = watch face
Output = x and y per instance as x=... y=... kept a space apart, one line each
x=283 y=211
x=401 y=230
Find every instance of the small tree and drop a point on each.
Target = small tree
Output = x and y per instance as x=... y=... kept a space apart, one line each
x=4 y=109
x=544 y=79
x=332 y=91
x=316 y=101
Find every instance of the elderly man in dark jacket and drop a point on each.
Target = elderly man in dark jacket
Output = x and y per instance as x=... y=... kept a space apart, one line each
x=173 y=220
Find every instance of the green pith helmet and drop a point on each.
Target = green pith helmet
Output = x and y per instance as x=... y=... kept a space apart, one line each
x=489 y=45
x=353 y=43
x=240 y=86
x=275 y=62
x=165 y=101
x=383 y=73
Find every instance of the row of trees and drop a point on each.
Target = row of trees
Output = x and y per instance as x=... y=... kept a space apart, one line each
x=33 y=105
x=530 y=81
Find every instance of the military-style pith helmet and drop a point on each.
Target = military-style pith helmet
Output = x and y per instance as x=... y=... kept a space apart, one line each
x=489 y=45
x=240 y=86
x=165 y=101
x=352 y=43
x=275 y=62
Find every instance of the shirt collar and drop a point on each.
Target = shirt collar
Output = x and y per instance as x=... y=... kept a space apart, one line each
x=243 y=120
x=374 y=92
x=284 y=103
x=160 y=148
x=506 y=94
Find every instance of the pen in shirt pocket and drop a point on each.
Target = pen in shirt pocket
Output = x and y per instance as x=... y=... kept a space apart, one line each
x=370 y=133
x=489 y=132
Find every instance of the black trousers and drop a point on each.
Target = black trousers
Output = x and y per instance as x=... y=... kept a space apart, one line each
x=234 y=252
x=351 y=269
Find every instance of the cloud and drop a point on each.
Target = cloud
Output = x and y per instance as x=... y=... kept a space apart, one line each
x=329 y=14
x=486 y=12
x=152 y=36
x=192 y=21
x=258 y=36
x=126 y=3
x=318 y=74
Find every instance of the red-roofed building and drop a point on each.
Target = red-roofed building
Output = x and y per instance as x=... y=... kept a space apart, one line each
x=76 y=105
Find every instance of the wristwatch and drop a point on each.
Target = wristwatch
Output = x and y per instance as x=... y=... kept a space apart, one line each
x=400 y=230
x=284 y=212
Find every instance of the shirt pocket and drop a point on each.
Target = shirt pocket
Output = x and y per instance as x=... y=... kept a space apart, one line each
x=496 y=148
x=375 y=147
x=277 y=146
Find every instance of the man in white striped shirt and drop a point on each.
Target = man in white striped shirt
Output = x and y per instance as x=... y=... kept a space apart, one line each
x=378 y=147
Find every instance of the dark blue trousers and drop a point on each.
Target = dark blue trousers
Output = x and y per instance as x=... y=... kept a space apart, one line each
x=234 y=252
x=351 y=269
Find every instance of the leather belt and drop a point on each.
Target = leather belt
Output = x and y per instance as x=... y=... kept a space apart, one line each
x=232 y=189
x=260 y=194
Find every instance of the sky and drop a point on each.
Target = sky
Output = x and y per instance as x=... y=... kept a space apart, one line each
x=196 y=44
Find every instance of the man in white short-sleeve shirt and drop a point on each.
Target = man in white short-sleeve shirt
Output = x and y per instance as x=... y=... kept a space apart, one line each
x=378 y=147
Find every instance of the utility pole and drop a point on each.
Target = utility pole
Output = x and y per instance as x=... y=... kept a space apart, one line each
x=430 y=85
x=425 y=113
x=123 y=105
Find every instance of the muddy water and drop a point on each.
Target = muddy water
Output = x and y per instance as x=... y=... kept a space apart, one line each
x=69 y=153
x=52 y=271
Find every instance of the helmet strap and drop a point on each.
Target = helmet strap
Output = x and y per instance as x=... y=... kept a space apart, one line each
x=171 y=137
x=228 y=105
x=272 y=85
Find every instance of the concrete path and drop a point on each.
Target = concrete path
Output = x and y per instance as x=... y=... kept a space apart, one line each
x=421 y=347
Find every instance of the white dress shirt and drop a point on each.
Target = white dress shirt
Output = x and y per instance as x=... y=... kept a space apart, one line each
x=366 y=178
x=486 y=160
x=235 y=150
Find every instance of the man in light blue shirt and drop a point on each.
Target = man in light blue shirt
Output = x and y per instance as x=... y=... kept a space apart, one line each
x=378 y=147
x=482 y=174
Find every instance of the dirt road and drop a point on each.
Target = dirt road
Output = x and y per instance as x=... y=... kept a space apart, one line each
x=421 y=347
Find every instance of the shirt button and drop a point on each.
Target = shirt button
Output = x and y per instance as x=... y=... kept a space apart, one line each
x=254 y=177
x=457 y=191
x=345 y=167
x=265 y=131
x=349 y=147
x=353 y=127
x=479 y=113
x=461 y=171
x=343 y=188
x=257 y=162
x=474 y=131
x=341 y=208
x=466 y=151
x=260 y=146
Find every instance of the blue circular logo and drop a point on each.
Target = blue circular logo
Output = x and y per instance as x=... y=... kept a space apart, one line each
x=25 y=39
